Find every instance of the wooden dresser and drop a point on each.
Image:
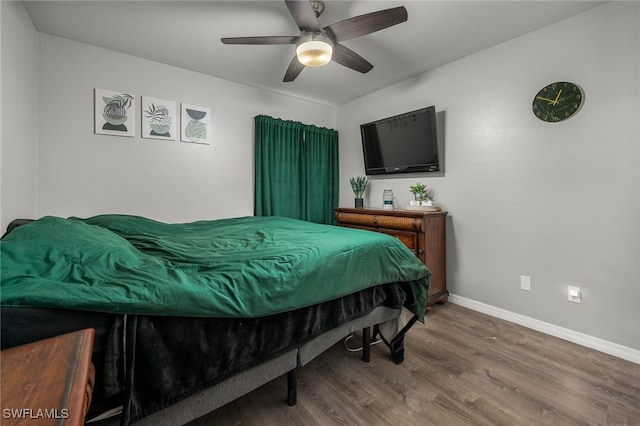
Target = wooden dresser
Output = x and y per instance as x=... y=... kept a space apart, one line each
x=48 y=382
x=422 y=232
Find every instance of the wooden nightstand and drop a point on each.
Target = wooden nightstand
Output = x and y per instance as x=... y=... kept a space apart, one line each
x=422 y=232
x=49 y=382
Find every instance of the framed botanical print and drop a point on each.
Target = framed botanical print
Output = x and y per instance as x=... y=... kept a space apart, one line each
x=195 y=124
x=158 y=118
x=114 y=113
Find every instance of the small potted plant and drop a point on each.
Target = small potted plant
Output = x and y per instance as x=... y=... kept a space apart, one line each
x=358 y=184
x=420 y=193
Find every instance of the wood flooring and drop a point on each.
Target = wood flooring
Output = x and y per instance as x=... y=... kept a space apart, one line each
x=461 y=368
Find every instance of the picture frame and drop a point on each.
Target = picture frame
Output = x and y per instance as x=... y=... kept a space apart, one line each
x=158 y=117
x=195 y=124
x=114 y=113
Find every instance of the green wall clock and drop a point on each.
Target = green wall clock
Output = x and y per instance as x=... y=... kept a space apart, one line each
x=557 y=101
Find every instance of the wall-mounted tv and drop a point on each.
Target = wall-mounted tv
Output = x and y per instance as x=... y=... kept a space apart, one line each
x=405 y=143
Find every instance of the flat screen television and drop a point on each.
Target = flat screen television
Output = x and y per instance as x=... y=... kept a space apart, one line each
x=405 y=143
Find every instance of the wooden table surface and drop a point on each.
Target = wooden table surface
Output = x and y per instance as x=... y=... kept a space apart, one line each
x=48 y=382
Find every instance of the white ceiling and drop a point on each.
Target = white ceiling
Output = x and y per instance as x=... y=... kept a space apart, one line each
x=187 y=34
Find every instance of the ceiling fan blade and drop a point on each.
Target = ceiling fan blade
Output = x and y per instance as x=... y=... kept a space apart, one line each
x=261 y=40
x=366 y=24
x=295 y=68
x=350 y=59
x=304 y=16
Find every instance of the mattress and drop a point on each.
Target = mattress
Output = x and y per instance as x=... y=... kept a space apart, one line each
x=239 y=267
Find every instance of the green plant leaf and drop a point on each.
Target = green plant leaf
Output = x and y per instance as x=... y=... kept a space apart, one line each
x=195 y=130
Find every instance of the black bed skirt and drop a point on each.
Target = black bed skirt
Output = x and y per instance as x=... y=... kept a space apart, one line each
x=147 y=363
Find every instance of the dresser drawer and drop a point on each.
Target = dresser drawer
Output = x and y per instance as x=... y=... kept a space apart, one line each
x=379 y=221
x=409 y=239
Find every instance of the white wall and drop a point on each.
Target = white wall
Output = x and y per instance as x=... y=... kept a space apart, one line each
x=19 y=114
x=557 y=202
x=83 y=174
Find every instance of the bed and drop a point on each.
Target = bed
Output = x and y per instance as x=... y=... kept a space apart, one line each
x=190 y=316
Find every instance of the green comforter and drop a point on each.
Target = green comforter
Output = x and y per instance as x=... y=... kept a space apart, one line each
x=240 y=267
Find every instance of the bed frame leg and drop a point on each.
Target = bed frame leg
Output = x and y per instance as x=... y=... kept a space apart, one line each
x=292 y=387
x=366 y=344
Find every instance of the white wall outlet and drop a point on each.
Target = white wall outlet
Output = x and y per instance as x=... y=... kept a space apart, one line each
x=575 y=294
x=525 y=283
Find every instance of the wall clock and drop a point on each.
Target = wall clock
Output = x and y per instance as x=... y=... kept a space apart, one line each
x=557 y=101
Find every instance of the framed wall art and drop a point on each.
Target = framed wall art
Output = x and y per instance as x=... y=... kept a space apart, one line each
x=158 y=118
x=195 y=124
x=114 y=113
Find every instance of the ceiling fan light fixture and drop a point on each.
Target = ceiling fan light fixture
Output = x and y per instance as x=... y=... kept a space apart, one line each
x=315 y=45
x=314 y=51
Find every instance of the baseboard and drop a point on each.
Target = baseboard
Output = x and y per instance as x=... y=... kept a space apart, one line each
x=601 y=345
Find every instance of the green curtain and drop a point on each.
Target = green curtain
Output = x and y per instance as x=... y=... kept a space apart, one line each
x=296 y=170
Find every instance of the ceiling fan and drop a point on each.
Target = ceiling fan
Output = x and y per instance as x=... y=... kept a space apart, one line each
x=316 y=45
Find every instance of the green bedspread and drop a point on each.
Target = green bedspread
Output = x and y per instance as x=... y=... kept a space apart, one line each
x=240 y=267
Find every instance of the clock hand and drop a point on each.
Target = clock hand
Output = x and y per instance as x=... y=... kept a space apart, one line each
x=545 y=99
x=557 y=97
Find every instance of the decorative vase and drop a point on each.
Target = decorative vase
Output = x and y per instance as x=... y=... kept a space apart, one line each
x=387 y=199
x=359 y=202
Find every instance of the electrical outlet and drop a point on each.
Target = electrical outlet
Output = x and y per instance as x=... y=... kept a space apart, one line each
x=575 y=294
x=525 y=283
